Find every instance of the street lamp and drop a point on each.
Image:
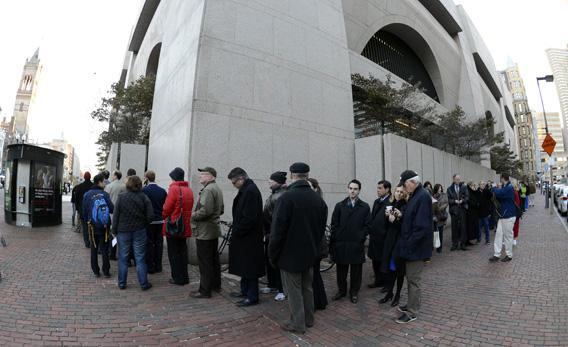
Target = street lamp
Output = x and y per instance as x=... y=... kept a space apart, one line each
x=547 y=78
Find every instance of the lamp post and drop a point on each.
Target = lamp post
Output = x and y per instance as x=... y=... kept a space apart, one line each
x=547 y=78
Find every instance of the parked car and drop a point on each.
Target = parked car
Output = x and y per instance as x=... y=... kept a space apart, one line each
x=562 y=200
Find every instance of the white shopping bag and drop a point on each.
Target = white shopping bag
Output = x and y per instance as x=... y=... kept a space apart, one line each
x=437 y=243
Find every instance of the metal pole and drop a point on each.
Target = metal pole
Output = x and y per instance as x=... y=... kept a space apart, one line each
x=551 y=204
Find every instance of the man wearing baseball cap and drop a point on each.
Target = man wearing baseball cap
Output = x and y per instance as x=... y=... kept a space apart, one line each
x=416 y=240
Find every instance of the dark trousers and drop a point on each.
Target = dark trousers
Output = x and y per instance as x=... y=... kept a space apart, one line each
x=209 y=266
x=320 y=297
x=100 y=246
x=380 y=279
x=300 y=298
x=355 y=278
x=154 y=248
x=249 y=287
x=398 y=277
x=272 y=274
x=85 y=231
x=177 y=254
x=459 y=230
x=440 y=229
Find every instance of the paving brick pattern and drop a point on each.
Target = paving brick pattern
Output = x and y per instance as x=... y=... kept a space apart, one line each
x=49 y=297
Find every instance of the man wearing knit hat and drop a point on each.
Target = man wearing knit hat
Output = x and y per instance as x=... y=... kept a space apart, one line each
x=77 y=196
x=277 y=183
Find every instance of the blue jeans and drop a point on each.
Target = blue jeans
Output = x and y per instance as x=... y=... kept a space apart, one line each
x=249 y=287
x=126 y=241
x=484 y=223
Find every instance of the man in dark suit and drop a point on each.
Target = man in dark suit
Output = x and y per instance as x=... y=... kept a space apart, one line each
x=297 y=228
x=349 y=227
x=246 y=249
x=378 y=230
x=458 y=197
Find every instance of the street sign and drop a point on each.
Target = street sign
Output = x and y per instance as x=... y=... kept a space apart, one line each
x=548 y=144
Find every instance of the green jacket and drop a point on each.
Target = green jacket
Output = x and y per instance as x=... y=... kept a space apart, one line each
x=206 y=215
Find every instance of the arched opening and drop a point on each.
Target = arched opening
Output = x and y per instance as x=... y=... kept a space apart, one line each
x=154 y=60
x=404 y=52
x=489 y=118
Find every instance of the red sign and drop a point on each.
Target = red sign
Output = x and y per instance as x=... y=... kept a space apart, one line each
x=548 y=144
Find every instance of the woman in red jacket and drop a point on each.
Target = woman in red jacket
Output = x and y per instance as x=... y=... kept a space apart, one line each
x=179 y=202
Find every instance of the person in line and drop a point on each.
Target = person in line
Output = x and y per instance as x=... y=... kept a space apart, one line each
x=377 y=232
x=75 y=212
x=246 y=248
x=440 y=213
x=277 y=184
x=106 y=175
x=179 y=204
x=114 y=189
x=392 y=264
x=472 y=213
x=96 y=210
x=415 y=242
x=519 y=203
x=484 y=211
x=299 y=220
x=507 y=216
x=428 y=186
x=206 y=230
x=457 y=199
x=79 y=193
x=523 y=196
x=132 y=215
x=155 y=244
x=320 y=296
x=349 y=228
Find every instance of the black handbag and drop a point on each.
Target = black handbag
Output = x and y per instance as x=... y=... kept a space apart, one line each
x=176 y=228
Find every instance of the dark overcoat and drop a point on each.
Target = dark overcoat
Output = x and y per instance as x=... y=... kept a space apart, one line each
x=390 y=250
x=416 y=235
x=378 y=229
x=348 y=232
x=246 y=248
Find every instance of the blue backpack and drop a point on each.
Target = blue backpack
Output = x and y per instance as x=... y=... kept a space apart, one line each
x=100 y=215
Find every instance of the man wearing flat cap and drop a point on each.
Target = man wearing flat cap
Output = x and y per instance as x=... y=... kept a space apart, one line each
x=415 y=241
x=246 y=249
x=277 y=184
x=206 y=230
x=298 y=224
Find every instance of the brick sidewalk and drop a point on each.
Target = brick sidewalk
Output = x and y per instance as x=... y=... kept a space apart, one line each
x=49 y=297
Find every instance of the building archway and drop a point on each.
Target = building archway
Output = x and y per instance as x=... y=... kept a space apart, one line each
x=405 y=53
x=154 y=60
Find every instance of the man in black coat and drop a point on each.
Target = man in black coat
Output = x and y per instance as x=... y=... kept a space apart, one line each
x=415 y=241
x=458 y=197
x=349 y=227
x=485 y=211
x=78 y=193
x=378 y=231
x=246 y=249
x=297 y=228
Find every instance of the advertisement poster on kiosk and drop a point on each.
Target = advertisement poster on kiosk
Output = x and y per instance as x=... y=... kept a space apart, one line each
x=43 y=196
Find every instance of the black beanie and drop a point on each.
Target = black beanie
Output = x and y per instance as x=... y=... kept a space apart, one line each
x=279 y=177
x=177 y=174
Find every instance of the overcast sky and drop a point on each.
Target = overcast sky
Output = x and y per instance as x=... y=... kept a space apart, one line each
x=83 y=44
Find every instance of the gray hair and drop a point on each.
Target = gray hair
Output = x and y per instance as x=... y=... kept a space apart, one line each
x=415 y=179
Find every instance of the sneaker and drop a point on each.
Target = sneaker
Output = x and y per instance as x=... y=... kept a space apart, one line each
x=493 y=259
x=268 y=290
x=506 y=259
x=280 y=297
x=487 y=242
x=405 y=318
x=403 y=309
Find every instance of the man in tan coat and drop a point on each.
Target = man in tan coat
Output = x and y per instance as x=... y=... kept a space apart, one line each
x=206 y=230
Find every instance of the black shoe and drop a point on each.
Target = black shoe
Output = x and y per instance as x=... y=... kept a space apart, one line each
x=493 y=259
x=405 y=318
x=237 y=295
x=453 y=248
x=403 y=309
x=506 y=259
x=148 y=286
x=246 y=303
x=97 y=274
x=384 y=290
x=107 y=275
x=487 y=242
x=463 y=248
x=338 y=296
x=386 y=299
x=438 y=250
x=172 y=281
x=354 y=299
x=121 y=287
x=199 y=295
x=468 y=243
x=394 y=302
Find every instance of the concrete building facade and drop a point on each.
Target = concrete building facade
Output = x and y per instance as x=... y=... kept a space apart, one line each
x=264 y=83
x=558 y=59
x=555 y=129
x=524 y=121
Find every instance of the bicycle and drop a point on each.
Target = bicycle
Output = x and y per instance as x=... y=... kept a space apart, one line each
x=326 y=263
x=226 y=230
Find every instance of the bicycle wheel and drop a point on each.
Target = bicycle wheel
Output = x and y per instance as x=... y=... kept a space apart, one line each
x=225 y=240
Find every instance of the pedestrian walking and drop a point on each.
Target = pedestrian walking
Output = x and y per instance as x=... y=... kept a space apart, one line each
x=155 y=244
x=472 y=213
x=320 y=296
x=392 y=265
x=177 y=215
x=277 y=185
x=484 y=211
x=415 y=243
x=507 y=216
x=349 y=228
x=132 y=215
x=79 y=193
x=440 y=213
x=115 y=187
x=206 y=230
x=377 y=233
x=96 y=210
x=457 y=199
x=246 y=249
x=299 y=220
